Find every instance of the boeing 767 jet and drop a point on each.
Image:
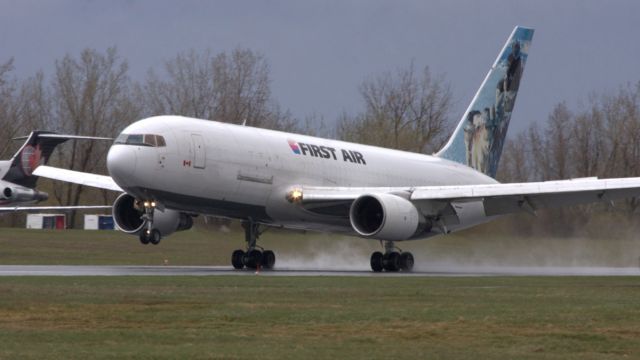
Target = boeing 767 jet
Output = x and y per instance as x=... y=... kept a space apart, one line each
x=171 y=168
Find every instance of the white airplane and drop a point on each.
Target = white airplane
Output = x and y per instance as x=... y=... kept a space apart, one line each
x=17 y=181
x=171 y=168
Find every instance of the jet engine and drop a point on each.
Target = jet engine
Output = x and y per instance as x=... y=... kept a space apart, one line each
x=20 y=194
x=385 y=217
x=128 y=215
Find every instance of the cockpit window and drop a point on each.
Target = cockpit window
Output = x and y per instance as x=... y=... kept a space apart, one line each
x=121 y=139
x=135 y=139
x=141 y=140
x=149 y=140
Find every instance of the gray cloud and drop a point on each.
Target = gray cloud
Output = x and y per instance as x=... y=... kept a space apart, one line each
x=321 y=51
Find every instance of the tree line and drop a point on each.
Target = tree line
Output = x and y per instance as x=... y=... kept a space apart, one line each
x=600 y=138
x=408 y=109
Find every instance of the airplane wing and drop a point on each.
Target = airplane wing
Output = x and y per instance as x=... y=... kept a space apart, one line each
x=498 y=199
x=77 y=177
x=51 y=208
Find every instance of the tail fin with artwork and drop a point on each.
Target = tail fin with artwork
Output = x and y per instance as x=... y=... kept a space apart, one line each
x=478 y=139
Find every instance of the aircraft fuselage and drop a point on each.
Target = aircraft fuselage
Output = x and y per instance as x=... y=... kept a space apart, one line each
x=238 y=172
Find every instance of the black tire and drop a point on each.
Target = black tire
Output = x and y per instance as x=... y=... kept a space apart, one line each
x=252 y=259
x=155 y=237
x=390 y=261
x=144 y=237
x=268 y=259
x=376 y=261
x=406 y=261
x=236 y=259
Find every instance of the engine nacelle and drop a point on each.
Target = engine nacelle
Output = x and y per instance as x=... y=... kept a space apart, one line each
x=20 y=194
x=127 y=214
x=385 y=217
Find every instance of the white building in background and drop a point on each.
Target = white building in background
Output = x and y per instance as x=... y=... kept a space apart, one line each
x=98 y=222
x=46 y=221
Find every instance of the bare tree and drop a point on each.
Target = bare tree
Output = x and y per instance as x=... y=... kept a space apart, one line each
x=24 y=107
x=602 y=139
x=588 y=147
x=515 y=164
x=557 y=143
x=188 y=89
x=314 y=125
x=234 y=88
x=90 y=97
x=404 y=110
x=9 y=108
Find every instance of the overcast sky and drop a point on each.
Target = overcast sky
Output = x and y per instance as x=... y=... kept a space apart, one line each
x=320 y=51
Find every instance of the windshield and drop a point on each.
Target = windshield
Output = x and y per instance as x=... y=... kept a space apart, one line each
x=141 y=140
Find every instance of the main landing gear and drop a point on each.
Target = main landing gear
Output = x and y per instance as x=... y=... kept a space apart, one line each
x=255 y=257
x=392 y=260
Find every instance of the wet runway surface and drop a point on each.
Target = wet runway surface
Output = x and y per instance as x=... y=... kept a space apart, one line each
x=90 y=270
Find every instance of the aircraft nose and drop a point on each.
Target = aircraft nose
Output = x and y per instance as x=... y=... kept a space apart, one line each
x=121 y=163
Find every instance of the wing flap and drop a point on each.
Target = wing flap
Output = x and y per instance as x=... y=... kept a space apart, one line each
x=520 y=189
x=501 y=199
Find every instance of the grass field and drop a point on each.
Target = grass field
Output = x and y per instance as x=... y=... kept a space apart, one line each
x=251 y=317
x=291 y=318
x=204 y=247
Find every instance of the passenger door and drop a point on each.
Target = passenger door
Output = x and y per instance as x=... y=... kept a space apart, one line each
x=198 y=150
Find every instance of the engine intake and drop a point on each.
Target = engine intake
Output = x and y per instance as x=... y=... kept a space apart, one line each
x=128 y=211
x=385 y=217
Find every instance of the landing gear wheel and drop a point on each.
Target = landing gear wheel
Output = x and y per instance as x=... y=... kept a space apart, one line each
x=236 y=259
x=268 y=259
x=144 y=237
x=390 y=261
x=155 y=237
x=252 y=259
x=406 y=262
x=376 y=261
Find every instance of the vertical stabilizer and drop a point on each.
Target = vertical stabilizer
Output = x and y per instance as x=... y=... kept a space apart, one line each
x=478 y=139
x=35 y=151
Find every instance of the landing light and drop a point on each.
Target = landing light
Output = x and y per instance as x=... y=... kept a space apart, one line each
x=294 y=196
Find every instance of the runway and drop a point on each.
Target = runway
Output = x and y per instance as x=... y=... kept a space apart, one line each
x=110 y=270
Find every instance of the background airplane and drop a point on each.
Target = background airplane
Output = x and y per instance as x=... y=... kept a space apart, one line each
x=17 y=181
x=172 y=168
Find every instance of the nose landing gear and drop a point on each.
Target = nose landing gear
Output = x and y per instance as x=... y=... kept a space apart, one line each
x=149 y=235
x=392 y=260
x=255 y=257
